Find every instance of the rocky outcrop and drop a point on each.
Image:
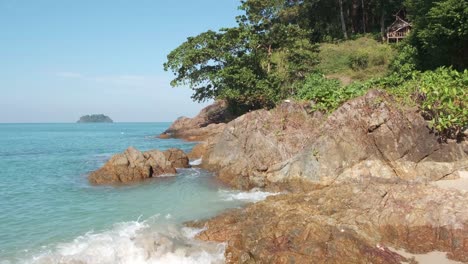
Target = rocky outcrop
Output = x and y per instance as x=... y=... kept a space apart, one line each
x=177 y=158
x=133 y=165
x=345 y=223
x=372 y=137
x=207 y=124
x=252 y=143
x=368 y=137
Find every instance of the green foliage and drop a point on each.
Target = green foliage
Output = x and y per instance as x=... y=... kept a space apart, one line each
x=252 y=65
x=404 y=63
x=360 y=59
x=443 y=97
x=440 y=32
x=95 y=118
x=328 y=94
x=272 y=55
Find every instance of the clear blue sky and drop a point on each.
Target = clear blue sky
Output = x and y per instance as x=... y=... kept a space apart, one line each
x=60 y=59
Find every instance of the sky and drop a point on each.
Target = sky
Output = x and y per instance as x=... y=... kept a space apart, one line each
x=61 y=59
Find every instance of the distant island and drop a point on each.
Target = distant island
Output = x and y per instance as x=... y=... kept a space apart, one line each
x=95 y=119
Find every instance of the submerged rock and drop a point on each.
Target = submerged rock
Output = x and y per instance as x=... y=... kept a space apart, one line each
x=352 y=223
x=207 y=124
x=133 y=165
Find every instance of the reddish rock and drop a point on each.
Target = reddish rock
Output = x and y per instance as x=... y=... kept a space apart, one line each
x=133 y=165
x=252 y=143
x=345 y=224
x=368 y=137
x=207 y=124
x=177 y=158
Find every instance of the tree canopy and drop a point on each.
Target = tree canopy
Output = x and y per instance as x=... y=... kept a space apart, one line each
x=273 y=49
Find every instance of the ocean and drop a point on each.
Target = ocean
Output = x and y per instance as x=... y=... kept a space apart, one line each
x=49 y=213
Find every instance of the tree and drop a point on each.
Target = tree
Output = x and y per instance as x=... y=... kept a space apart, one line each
x=440 y=32
x=252 y=65
x=343 y=24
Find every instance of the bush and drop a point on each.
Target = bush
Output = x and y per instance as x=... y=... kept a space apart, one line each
x=404 y=63
x=328 y=94
x=441 y=95
x=359 y=61
x=444 y=100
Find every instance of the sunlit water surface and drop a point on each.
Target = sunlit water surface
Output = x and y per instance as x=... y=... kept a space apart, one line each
x=50 y=214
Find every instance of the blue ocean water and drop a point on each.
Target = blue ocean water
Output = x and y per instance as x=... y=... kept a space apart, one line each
x=50 y=214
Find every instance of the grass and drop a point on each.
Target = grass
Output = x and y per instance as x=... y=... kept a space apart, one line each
x=355 y=60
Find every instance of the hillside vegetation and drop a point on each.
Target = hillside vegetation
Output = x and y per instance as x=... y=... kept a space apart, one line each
x=308 y=51
x=355 y=60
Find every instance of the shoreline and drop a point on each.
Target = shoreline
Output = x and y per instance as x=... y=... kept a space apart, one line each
x=222 y=153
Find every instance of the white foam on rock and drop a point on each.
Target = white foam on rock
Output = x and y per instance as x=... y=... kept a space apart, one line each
x=135 y=243
x=254 y=195
x=196 y=162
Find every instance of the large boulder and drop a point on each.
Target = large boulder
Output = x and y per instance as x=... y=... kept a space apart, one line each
x=373 y=137
x=345 y=223
x=252 y=143
x=207 y=124
x=133 y=165
x=177 y=158
x=368 y=137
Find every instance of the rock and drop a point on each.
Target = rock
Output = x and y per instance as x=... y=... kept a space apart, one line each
x=345 y=223
x=198 y=151
x=133 y=165
x=208 y=123
x=368 y=137
x=177 y=158
x=252 y=143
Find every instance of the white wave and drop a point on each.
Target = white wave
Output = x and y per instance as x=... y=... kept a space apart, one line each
x=191 y=172
x=254 y=195
x=196 y=162
x=135 y=243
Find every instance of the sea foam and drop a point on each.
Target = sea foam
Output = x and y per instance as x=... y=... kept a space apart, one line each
x=135 y=243
x=254 y=195
x=196 y=162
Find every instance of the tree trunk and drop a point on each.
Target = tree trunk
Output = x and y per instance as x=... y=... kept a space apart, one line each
x=382 y=24
x=363 y=17
x=343 y=24
x=354 y=17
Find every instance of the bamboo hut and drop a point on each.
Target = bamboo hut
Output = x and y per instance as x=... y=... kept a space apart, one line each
x=398 y=30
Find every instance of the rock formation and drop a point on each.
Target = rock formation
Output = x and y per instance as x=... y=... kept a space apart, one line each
x=207 y=124
x=133 y=165
x=355 y=184
x=252 y=143
x=345 y=223
x=367 y=137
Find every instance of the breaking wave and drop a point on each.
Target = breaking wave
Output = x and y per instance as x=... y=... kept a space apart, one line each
x=135 y=243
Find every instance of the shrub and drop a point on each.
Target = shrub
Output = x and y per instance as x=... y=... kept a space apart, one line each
x=328 y=94
x=441 y=95
x=444 y=100
x=359 y=61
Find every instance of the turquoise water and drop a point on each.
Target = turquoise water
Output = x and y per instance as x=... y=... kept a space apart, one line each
x=50 y=214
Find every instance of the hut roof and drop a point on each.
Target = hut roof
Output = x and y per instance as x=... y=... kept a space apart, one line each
x=398 y=24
